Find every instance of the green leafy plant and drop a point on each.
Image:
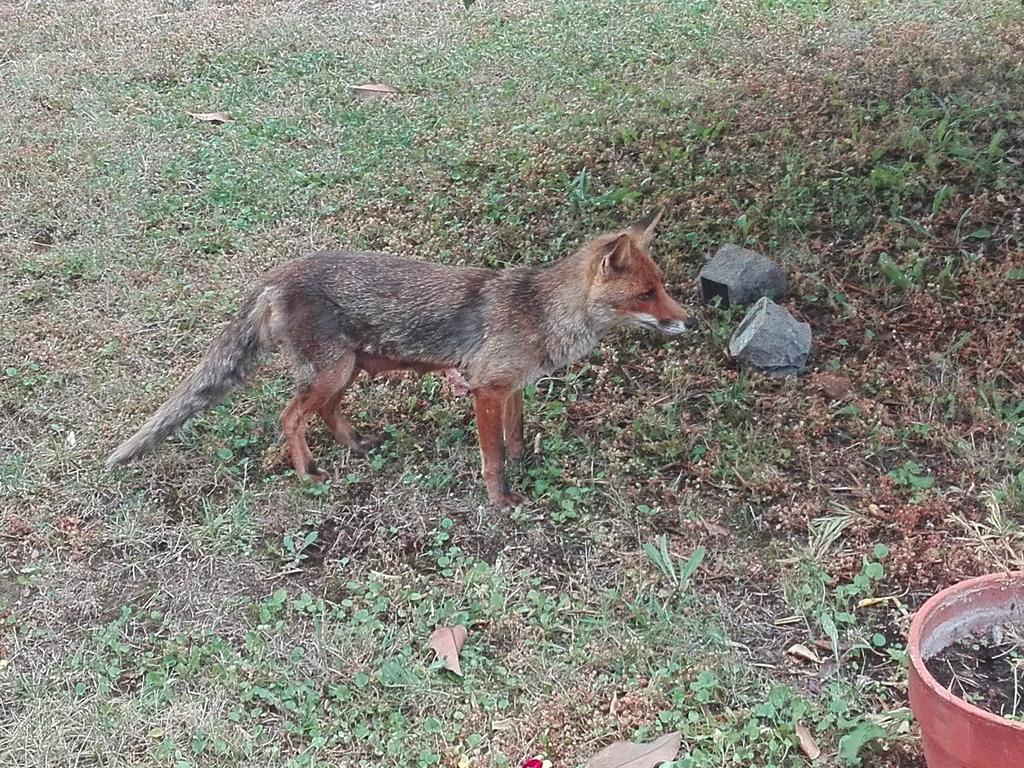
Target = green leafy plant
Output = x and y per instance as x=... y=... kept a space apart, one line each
x=679 y=571
x=912 y=475
x=296 y=547
x=893 y=273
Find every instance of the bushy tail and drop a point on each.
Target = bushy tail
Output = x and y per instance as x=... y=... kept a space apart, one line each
x=233 y=354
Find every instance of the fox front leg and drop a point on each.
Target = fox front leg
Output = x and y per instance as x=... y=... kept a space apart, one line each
x=490 y=425
x=513 y=427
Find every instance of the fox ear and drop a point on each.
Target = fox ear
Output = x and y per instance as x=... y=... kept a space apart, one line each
x=643 y=230
x=617 y=255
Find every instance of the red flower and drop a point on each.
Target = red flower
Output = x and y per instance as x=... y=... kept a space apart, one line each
x=533 y=762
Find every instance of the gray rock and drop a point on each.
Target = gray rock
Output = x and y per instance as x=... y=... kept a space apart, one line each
x=740 y=276
x=772 y=340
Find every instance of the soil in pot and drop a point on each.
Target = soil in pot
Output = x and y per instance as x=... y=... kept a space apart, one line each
x=985 y=670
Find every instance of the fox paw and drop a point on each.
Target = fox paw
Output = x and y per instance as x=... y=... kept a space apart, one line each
x=316 y=475
x=507 y=499
x=362 y=446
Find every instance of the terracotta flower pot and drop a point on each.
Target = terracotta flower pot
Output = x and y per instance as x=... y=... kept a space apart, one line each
x=956 y=734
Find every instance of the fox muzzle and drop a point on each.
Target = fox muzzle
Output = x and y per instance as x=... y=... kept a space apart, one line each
x=676 y=327
x=669 y=327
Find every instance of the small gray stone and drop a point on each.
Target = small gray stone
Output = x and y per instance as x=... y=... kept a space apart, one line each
x=740 y=276
x=771 y=339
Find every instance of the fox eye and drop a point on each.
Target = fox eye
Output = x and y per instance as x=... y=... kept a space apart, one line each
x=649 y=296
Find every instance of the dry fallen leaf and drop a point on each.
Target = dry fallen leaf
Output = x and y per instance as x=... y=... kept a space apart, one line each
x=447 y=642
x=715 y=529
x=807 y=744
x=373 y=90
x=803 y=652
x=833 y=386
x=625 y=754
x=211 y=117
x=869 y=602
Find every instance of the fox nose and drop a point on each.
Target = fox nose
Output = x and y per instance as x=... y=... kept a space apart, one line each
x=673 y=327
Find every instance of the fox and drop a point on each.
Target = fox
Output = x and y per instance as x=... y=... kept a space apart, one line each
x=335 y=314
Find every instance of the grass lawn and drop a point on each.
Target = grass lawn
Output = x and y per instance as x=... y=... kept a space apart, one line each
x=204 y=608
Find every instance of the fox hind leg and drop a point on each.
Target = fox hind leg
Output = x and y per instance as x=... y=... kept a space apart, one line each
x=325 y=389
x=339 y=426
x=294 y=420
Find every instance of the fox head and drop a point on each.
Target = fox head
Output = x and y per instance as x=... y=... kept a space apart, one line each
x=628 y=286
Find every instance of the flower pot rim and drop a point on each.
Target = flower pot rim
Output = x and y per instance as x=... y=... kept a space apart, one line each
x=918 y=661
